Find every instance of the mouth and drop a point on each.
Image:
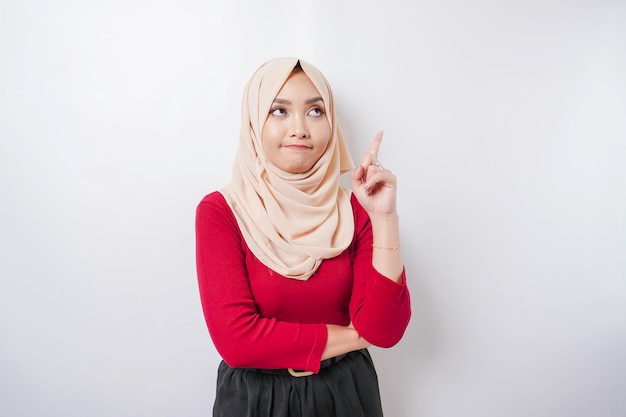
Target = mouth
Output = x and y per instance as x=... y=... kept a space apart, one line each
x=298 y=147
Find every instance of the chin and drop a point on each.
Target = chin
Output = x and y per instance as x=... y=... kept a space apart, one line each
x=297 y=169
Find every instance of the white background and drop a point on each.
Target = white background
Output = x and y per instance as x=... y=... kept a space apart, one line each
x=504 y=121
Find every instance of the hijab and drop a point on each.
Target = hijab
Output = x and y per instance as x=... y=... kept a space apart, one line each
x=290 y=222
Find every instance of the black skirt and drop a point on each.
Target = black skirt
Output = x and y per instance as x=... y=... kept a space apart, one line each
x=348 y=388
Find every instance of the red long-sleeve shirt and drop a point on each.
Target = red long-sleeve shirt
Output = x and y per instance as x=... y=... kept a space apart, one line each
x=260 y=319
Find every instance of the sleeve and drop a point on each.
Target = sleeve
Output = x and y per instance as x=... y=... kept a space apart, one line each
x=241 y=335
x=380 y=308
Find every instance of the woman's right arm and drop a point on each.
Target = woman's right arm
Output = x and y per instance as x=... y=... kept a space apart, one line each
x=241 y=335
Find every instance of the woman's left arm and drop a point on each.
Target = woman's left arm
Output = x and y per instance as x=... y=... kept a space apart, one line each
x=380 y=307
x=375 y=188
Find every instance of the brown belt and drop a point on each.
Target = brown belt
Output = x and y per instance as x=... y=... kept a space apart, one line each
x=299 y=373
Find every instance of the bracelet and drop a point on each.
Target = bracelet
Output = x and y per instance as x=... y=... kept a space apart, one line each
x=393 y=248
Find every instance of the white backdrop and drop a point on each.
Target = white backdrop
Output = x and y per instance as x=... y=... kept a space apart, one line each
x=504 y=121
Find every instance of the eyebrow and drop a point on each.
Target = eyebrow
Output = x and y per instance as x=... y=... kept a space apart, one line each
x=309 y=101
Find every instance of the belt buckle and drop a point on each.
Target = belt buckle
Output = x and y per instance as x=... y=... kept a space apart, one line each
x=299 y=374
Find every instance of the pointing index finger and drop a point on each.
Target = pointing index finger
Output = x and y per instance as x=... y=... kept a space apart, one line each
x=371 y=156
x=373 y=150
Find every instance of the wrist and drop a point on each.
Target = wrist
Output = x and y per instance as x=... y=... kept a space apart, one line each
x=384 y=217
x=386 y=231
x=385 y=223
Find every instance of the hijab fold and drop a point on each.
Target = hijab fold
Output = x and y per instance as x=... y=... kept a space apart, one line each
x=290 y=222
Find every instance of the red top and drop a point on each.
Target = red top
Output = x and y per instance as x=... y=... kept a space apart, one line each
x=260 y=319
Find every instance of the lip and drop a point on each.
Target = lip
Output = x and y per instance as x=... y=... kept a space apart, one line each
x=298 y=147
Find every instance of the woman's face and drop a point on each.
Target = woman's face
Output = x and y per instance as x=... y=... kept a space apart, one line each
x=296 y=132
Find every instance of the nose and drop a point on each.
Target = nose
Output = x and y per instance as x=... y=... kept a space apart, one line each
x=299 y=128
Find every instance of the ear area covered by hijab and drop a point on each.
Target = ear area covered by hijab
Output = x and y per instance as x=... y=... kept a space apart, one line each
x=290 y=222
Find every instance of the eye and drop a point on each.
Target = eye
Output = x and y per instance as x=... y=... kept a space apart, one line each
x=278 y=111
x=316 y=111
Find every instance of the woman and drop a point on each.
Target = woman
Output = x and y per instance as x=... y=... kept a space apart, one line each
x=297 y=275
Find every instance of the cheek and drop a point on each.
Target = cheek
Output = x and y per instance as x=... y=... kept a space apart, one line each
x=324 y=132
x=323 y=135
x=269 y=135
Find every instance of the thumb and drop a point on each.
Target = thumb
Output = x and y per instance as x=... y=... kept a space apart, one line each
x=357 y=177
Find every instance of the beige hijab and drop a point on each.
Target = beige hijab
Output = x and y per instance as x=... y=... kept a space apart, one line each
x=291 y=222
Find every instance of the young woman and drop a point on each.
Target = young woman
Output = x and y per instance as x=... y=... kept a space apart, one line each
x=297 y=275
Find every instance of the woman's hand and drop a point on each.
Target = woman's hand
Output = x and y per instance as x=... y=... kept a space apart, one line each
x=342 y=339
x=373 y=185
